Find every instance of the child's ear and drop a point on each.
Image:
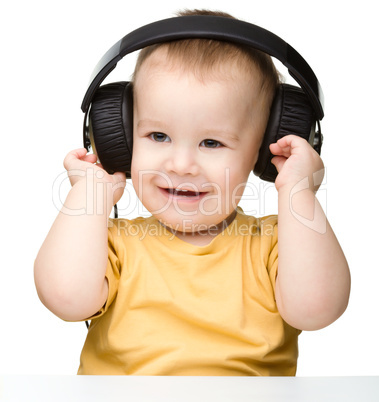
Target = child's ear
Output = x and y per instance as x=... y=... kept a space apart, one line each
x=111 y=126
x=291 y=113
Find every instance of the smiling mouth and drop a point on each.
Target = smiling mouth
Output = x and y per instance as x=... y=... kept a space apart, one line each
x=183 y=193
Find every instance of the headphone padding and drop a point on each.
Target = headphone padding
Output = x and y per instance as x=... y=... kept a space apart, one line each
x=291 y=113
x=111 y=118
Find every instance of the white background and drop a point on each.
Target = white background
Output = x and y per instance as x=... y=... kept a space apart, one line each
x=48 y=51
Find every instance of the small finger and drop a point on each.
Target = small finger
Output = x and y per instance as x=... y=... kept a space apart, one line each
x=278 y=149
x=92 y=158
x=278 y=162
x=74 y=155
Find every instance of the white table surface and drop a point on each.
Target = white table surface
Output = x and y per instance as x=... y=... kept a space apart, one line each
x=183 y=389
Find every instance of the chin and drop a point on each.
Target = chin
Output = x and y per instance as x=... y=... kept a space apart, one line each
x=190 y=224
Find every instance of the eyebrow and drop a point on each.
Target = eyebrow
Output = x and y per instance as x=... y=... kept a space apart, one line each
x=229 y=134
x=149 y=122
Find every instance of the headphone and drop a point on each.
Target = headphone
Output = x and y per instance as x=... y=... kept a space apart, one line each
x=108 y=121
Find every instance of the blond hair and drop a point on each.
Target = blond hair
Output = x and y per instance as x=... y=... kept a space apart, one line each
x=206 y=56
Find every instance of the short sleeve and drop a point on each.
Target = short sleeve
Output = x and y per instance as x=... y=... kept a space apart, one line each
x=112 y=273
x=273 y=257
x=269 y=229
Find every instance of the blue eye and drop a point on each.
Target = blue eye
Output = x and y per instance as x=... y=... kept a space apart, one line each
x=159 y=137
x=211 y=143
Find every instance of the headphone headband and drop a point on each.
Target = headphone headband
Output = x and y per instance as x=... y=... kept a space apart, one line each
x=210 y=27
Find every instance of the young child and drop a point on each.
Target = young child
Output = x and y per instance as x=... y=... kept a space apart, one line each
x=198 y=288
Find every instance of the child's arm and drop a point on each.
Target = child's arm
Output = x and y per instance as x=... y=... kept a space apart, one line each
x=313 y=282
x=70 y=267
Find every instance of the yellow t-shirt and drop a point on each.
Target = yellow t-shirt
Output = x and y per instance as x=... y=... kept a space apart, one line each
x=178 y=309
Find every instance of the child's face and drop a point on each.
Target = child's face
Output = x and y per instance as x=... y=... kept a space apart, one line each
x=195 y=143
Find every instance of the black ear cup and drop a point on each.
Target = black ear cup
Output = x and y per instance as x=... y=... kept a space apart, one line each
x=291 y=113
x=111 y=126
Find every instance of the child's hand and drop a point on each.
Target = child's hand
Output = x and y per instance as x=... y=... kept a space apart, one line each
x=295 y=159
x=82 y=166
x=313 y=282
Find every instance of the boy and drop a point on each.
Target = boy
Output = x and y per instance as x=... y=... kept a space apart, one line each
x=198 y=287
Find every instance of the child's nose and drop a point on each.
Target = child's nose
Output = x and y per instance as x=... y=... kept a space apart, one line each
x=182 y=161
